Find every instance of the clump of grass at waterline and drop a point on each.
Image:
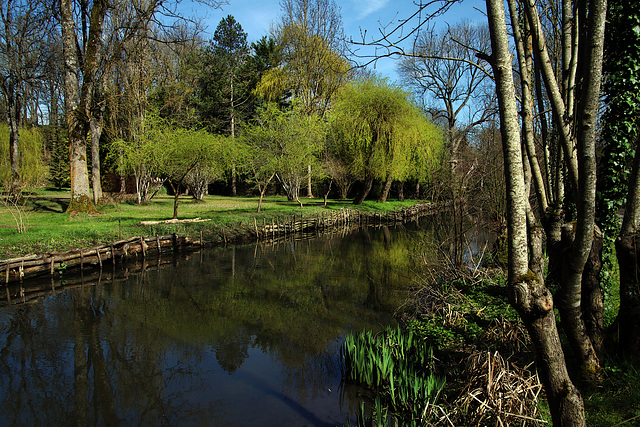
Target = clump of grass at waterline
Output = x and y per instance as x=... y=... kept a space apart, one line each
x=48 y=228
x=398 y=366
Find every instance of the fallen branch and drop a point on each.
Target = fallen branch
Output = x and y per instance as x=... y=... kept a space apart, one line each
x=174 y=221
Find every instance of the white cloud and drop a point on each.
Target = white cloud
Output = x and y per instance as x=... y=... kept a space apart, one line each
x=365 y=8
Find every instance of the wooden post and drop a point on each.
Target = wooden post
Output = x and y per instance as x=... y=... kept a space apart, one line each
x=255 y=223
x=225 y=240
x=81 y=261
x=99 y=259
x=6 y=279
x=113 y=255
x=158 y=242
x=51 y=266
x=142 y=246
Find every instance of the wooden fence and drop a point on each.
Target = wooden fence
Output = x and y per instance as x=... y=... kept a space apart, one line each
x=54 y=265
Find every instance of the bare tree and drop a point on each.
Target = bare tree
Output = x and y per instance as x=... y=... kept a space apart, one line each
x=443 y=72
x=84 y=51
x=24 y=29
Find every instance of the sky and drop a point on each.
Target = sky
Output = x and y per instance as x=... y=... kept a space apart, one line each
x=358 y=16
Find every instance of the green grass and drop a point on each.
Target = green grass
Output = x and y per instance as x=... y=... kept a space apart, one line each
x=50 y=228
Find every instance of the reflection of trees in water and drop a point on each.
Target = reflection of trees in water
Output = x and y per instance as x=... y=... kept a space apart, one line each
x=456 y=238
x=312 y=372
x=106 y=354
x=231 y=354
x=29 y=369
x=75 y=363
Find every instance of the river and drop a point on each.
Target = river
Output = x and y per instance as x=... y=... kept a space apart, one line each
x=237 y=336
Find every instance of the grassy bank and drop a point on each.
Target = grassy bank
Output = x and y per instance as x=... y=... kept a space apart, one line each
x=481 y=353
x=50 y=229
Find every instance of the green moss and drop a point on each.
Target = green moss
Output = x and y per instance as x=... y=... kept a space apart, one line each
x=529 y=277
x=82 y=204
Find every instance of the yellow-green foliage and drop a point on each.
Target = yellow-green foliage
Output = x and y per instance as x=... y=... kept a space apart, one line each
x=32 y=168
x=380 y=133
x=310 y=70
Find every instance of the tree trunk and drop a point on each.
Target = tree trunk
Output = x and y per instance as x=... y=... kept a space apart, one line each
x=385 y=191
x=176 y=196
x=401 y=191
x=627 y=253
x=534 y=303
x=234 y=190
x=78 y=101
x=96 y=133
x=527 y=293
x=326 y=195
x=627 y=247
x=309 y=192
x=592 y=302
x=14 y=140
x=368 y=183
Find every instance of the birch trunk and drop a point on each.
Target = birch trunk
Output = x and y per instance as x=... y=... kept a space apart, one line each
x=527 y=293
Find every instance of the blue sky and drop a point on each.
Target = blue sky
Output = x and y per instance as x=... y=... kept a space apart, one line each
x=256 y=18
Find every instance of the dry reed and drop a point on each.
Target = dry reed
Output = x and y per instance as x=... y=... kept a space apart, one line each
x=498 y=393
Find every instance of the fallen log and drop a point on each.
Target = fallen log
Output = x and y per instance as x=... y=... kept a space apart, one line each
x=174 y=221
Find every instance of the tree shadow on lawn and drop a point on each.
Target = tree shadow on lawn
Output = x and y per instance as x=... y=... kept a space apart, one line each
x=50 y=204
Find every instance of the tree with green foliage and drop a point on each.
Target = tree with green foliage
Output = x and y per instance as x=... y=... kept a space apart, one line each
x=311 y=68
x=222 y=94
x=281 y=144
x=181 y=157
x=382 y=135
x=619 y=181
x=216 y=154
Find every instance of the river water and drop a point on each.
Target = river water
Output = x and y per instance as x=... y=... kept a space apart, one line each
x=238 y=336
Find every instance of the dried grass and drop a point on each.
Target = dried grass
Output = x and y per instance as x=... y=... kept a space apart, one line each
x=510 y=337
x=498 y=393
x=434 y=301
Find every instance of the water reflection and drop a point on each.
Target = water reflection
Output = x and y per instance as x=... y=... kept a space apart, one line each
x=236 y=336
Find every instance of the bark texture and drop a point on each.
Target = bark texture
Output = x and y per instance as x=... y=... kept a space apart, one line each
x=527 y=293
x=78 y=94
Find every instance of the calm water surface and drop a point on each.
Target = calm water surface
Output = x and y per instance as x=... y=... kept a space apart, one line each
x=245 y=336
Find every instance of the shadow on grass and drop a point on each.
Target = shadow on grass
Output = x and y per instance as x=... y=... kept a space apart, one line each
x=50 y=204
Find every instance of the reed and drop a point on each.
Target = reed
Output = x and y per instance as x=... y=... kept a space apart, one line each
x=398 y=367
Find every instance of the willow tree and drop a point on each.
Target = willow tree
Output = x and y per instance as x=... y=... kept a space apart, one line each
x=311 y=67
x=378 y=131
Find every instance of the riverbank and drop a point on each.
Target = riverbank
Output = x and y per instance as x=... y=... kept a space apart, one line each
x=53 y=240
x=48 y=228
